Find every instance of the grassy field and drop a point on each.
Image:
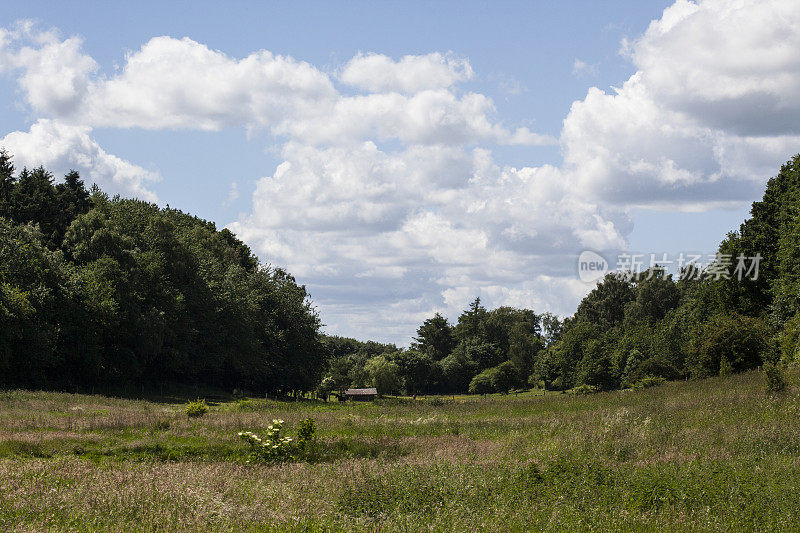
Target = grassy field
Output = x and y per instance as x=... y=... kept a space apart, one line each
x=719 y=454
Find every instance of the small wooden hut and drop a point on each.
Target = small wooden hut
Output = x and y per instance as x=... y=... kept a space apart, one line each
x=361 y=395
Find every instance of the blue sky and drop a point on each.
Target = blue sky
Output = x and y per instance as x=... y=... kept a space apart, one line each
x=402 y=158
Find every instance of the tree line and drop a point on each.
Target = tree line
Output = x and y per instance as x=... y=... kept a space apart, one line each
x=98 y=291
x=633 y=326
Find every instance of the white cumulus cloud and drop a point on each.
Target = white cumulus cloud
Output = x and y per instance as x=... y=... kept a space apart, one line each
x=61 y=148
x=707 y=117
x=409 y=74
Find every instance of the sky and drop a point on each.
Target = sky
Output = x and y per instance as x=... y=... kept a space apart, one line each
x=402 y=158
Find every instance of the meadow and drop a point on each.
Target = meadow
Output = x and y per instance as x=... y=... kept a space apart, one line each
x=719 y=454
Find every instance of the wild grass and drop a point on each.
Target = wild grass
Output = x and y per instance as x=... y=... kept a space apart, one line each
x=715 y=455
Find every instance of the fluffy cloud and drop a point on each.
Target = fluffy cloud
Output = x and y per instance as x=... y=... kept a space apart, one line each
x=181 y=84
x=43 y=57
x=706 y=118
x=410 y=74
x=61 y=148
x=427 y=117
x=405 y=229
x=729 y=64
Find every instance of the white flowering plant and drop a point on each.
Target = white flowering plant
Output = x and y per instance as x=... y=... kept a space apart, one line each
x=272 y=447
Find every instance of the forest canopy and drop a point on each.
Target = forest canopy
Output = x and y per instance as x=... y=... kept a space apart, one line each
x=99 y=291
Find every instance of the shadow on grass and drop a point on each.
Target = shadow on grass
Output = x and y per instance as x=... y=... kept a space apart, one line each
x=317 y=452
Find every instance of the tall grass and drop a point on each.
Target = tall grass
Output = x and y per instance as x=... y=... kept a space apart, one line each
x=719 y=454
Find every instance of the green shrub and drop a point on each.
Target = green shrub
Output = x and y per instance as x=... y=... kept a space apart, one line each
x=582 y=390
x=647 y=382
x=306 y=432
x=196 y=408
x=728 y=342
x=725 y=367
x=776 y=380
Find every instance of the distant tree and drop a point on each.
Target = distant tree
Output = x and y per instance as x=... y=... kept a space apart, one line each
x=34 y=200
x=471 y=323
x=524 y=347
x=435 y=337
x=457 y=371
x=605 y=305
x=655 y=295
x=504 y=377
x=482 y=383
x=595 y=367
x=110 y=291
x=384 y=375
x=481 y=354
x=557 y=366
x=743 y=341
x=7 y=182
x=326 y=387
x=415 y=369
x=551 y=327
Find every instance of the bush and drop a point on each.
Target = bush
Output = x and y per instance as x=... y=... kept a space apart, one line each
x=503 y=377
x=725 y=367
x=272 y=448
x=482 y=383
x=306 y=432
x=776 y=380
x=196 y=408
x=739 y=340
x=647 y=382
x=583 y=390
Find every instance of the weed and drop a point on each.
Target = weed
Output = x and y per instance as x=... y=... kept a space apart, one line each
x=776 y=380
x=647 y=382
x=196 y=409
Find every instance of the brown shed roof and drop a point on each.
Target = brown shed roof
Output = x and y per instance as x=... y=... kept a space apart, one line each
x=361 y=392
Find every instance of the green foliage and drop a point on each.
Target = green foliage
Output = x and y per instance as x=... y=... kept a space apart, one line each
x=583 y=390
x=100 y=292
x=384 y=375
x=482 y=383
x=326 y=387
x=789 y=341
x=457 y=371
x=196 y=409
x=776 y=379
x=605 y=305
x=435 y=337
x=306 y=432
x=737 y=340
x=501 y=378
x=415 y=369
x=725 y=366
x=504 y=377
x=273 y=447
x=647 y=382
